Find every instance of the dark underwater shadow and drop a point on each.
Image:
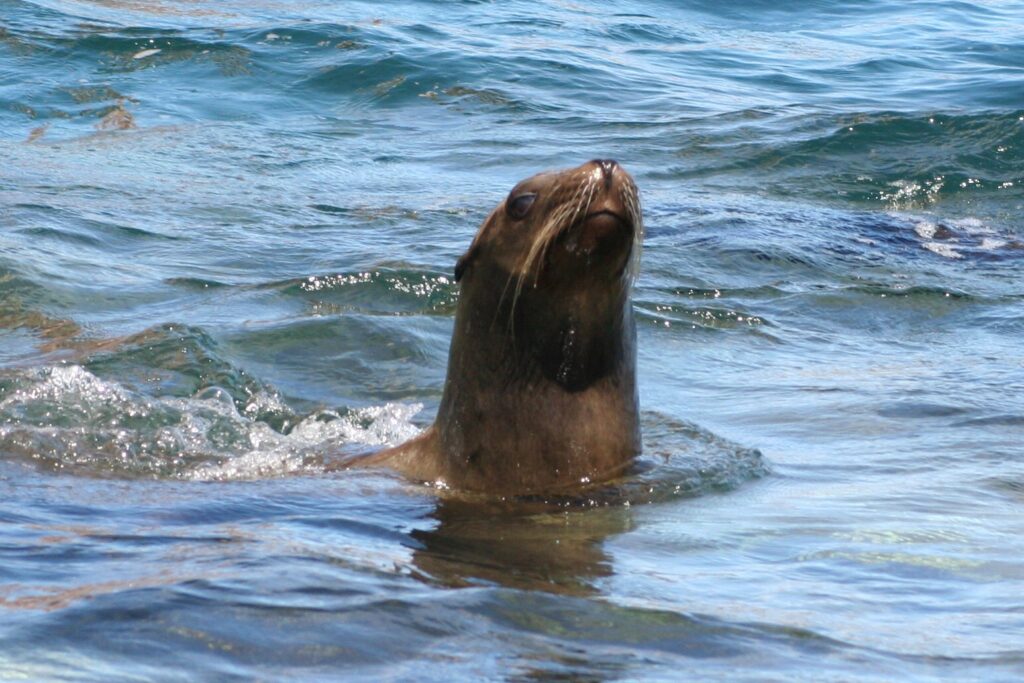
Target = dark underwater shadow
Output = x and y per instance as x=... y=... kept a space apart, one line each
x=519 y=544
x=555 y=543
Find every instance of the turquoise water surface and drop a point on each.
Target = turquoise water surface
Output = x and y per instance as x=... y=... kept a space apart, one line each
x=227 y=234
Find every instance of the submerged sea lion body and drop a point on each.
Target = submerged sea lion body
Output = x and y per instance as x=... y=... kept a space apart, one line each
x=541 y=388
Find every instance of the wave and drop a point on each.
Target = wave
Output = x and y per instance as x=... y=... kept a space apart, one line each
x=67 y=419
x=894 y=160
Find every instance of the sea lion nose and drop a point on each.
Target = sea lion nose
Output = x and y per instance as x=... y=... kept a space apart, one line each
x=607 y=167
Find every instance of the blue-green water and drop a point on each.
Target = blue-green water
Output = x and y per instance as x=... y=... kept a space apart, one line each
x=227 y=232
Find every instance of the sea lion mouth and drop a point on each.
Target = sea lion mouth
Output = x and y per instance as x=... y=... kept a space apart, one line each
x=598 y=232
x=599 y=226
x=605 y=219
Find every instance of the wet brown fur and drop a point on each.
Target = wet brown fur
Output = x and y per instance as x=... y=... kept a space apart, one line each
x=541 y=389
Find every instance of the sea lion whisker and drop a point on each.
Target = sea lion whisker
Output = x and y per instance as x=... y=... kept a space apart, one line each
x=559 y=222
x=632 y=200
x=511 y=323
x=561 y=217
x=547 y=232
x=526 y=266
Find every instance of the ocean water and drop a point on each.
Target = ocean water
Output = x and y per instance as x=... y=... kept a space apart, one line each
x=227 y=233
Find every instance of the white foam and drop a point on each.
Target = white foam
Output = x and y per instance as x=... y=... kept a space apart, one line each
x=67 y=416
x=925 y=229
x=275 y=454
x=63 y=383
x=951 y=237
x=990 y=243
x=942 y=249
x=972 y=226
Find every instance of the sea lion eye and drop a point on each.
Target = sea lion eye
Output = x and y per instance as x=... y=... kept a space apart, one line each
x=518 y=207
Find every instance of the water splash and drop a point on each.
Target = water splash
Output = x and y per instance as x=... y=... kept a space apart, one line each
x=65 y=418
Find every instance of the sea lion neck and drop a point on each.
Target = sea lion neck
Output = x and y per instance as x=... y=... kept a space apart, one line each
x=571 y=334
x=541 y=404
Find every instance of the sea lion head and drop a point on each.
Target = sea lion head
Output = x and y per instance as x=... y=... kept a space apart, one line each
x=550 y=273
x=578 y=226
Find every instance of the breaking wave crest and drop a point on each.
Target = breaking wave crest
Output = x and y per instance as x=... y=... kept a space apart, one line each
x=64 y=418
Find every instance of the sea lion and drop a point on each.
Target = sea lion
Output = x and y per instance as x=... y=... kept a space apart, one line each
x=541 y=389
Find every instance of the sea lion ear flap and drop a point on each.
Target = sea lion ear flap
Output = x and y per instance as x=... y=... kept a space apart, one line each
x=465 y=260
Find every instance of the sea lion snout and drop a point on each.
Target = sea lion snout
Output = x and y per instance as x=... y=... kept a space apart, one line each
x=608 y=223
x=614 y=192
x=607 y=167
